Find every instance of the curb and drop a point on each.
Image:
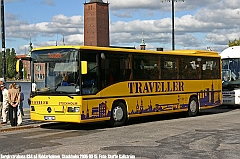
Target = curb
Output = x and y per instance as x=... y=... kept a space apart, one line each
x=20 y=128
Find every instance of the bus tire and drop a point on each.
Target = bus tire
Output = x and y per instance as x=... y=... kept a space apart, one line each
x=118 y=115
x=193 y=107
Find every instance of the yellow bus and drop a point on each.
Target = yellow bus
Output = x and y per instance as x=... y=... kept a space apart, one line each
x=81 y=84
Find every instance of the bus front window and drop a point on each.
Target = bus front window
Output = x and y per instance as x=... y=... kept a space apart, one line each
x=56 y=71
x=230 y=69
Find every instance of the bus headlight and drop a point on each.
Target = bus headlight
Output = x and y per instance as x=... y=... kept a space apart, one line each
x=73 y=109
x=76 y=109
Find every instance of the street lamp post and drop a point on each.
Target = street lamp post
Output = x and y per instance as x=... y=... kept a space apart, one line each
x=173 y=34
x=3 y=41
x=173 y=38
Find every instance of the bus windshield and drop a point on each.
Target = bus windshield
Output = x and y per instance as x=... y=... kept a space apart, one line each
x=230 y=69
x=55 y=71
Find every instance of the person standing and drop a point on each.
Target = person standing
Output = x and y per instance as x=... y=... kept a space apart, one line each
x=34 y=86
x=1 y=99
x=20 y=113
x=5 y=104
x=14 y=100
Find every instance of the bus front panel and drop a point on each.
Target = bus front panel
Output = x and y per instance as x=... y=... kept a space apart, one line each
x=56 y=108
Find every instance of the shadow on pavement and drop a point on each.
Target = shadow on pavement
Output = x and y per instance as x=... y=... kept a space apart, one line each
x=132 y=121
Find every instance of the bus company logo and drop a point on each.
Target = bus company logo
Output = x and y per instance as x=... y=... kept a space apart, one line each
x=154 y=87
x=68 y=103
x=49 y=109
x=54 y=56
x=39 y=102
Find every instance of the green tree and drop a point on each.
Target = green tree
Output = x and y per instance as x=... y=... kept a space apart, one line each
x=234 y=42
x=25 y=73
x=10 y=63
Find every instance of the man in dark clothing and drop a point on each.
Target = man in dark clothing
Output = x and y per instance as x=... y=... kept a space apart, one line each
x=1 y=98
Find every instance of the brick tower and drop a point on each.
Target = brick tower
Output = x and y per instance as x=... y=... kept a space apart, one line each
x=96 y=23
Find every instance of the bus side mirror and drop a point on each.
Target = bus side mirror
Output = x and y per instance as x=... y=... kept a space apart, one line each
x=84 y=67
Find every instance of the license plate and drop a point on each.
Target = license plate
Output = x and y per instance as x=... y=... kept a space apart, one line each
x=49 y=117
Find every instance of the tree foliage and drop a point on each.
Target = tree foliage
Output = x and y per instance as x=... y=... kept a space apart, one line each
x=234 y=42
x=25 y=73
x=10 y=63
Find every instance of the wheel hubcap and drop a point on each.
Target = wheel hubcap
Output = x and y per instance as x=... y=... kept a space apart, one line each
x=193 y=106
x=117 y=113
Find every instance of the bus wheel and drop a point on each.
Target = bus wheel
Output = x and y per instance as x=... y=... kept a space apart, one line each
x=193 y=107
x=119 y=114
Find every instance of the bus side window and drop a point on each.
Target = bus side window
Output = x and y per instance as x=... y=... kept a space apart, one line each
x=115 y=68
x=126 y=74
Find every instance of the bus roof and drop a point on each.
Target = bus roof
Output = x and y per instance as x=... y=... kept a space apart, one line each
x=168 y=52
x=231 y=52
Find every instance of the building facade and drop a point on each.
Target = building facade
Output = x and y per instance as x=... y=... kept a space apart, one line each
x=39 y=69
x=26 y=66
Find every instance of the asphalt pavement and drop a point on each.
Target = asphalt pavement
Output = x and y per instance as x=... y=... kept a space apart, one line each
x=27 y=123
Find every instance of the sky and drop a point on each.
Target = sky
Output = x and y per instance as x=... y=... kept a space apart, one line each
x=199 y=24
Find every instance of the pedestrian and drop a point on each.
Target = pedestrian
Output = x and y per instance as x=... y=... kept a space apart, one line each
x=20 y=112
x=5 y=104
x=34 y=86
x=14 y=100
x=1 y=99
